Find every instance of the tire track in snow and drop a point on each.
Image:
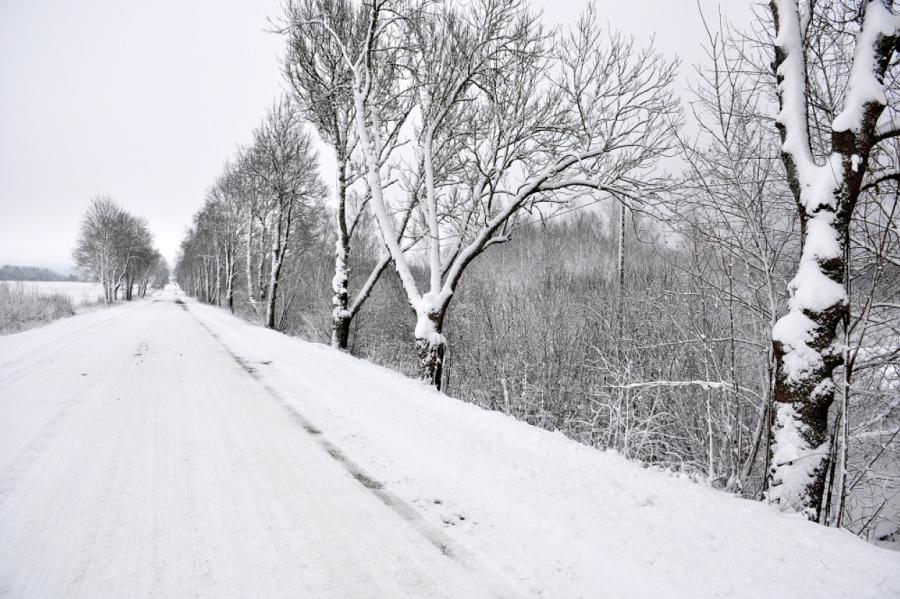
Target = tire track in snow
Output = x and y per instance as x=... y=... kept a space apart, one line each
x=403 y=509
x=14 y=369
x=21 y=461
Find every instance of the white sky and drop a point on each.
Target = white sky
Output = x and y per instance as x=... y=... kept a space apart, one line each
x=143 y=101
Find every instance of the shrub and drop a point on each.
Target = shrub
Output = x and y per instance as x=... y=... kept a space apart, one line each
x=22 y=307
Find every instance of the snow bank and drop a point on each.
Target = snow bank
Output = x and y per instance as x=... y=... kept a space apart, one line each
x=542 y=514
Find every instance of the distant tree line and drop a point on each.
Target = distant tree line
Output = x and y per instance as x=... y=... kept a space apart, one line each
x=738 y=321
x=115 y=248
x=33 y=273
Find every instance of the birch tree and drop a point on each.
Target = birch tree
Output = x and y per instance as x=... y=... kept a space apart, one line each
x=286 y=169
x=95 y=249
x=319 y=34
x=256 y=210
x=825 y=180
x=227 y=204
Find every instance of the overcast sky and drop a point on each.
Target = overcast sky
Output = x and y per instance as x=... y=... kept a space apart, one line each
x=143 y=101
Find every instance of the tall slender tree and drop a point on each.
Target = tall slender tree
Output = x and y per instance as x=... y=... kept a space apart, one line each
x=285 y=166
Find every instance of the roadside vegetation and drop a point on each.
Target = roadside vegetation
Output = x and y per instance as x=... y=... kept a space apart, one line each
x=23 y=307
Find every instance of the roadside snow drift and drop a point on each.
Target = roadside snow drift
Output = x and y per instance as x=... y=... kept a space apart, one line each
x=167 y=449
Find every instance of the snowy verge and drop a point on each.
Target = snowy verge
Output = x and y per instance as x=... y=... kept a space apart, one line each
x=551 y=517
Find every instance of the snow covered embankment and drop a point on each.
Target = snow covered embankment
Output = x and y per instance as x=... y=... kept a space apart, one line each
x=536 y=513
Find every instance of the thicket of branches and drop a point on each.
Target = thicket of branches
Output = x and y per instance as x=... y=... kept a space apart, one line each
x=115 y=248
x=501 y=226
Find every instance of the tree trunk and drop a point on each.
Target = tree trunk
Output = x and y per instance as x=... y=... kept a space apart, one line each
x=249 y=267
x=620 y=265
x=273 y=288
x=431 y=361
x=229 y=289
x=807 y=350
x=206 y=285
x=340 y=330
x=340 y=313
x=218 y=291
x=260 y=268
x=279 y=246
x=431 y=346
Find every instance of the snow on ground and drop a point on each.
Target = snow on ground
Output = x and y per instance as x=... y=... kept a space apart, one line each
x=165 y=449
x=79 y=292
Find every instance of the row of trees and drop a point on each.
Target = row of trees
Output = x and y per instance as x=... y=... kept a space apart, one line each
x=705 y=321
x=115 y=248
x=264 y=206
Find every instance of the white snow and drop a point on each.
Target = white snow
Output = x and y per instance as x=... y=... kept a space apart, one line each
x=795 y=460
x=793 y=87
x=863 y=86
x=810 y=290
x=819 y=184
x=794 y=330
x=138 y=458
x=425 y=330
x=339 y=280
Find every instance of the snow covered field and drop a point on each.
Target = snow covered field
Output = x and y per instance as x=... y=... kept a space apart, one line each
x=79 y=292
x=166 y=449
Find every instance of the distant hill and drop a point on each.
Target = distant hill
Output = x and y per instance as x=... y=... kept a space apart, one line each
x=32 y=273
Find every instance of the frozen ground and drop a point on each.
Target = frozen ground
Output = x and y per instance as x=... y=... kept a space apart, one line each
x=166 y=449
x=79 y=292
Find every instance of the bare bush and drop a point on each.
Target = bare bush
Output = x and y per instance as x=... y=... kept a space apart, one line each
x=22 y=307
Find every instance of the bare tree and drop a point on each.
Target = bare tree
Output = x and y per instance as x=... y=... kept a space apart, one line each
x=598 y=122
x=95 y=249
x=226 y=207
x=114 y=246
x=321 y=82
x=285 y=165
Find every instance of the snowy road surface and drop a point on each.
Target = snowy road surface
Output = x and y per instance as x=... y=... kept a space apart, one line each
x=166 y=449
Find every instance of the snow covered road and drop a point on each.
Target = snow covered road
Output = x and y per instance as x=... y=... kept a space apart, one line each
x=167 y=449
x=140 y=459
